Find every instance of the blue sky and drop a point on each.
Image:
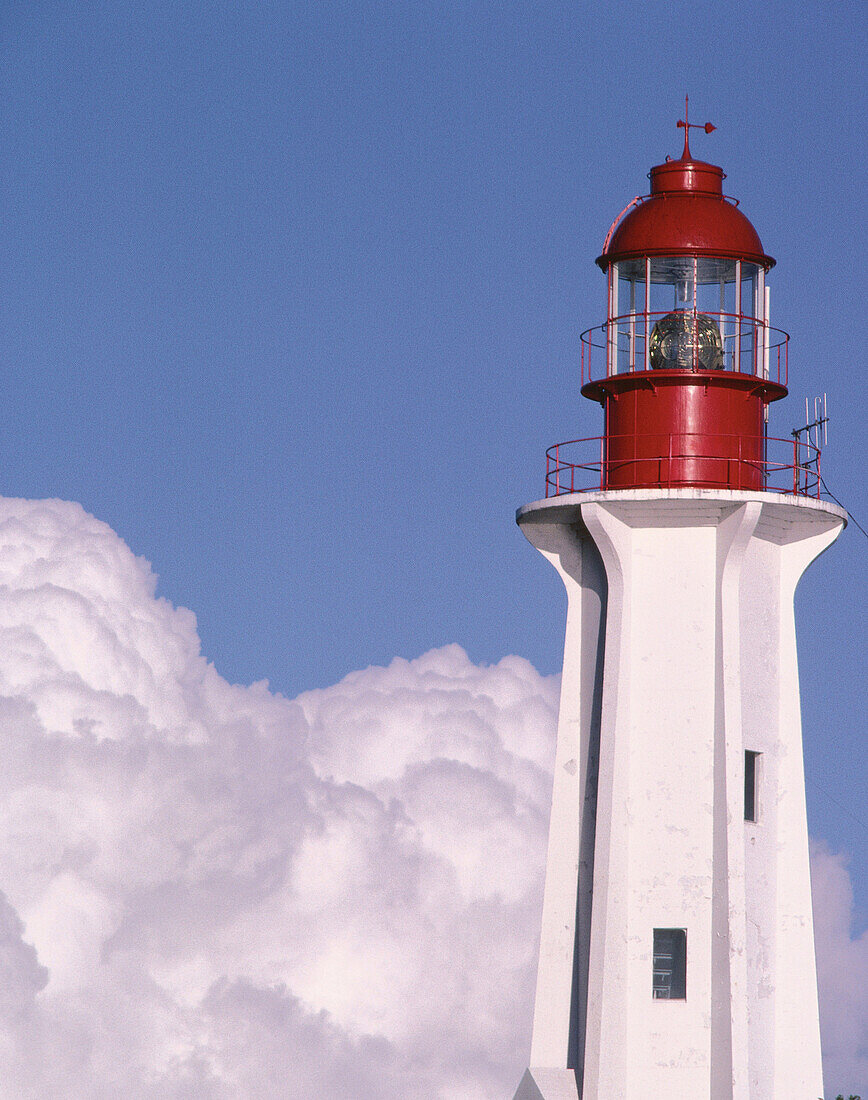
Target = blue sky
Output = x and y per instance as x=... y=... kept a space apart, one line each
x=290 y=296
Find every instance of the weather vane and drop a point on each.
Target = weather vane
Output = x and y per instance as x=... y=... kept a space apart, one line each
x=686 y=126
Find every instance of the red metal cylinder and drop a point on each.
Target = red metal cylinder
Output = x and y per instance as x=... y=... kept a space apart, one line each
x=675 y=428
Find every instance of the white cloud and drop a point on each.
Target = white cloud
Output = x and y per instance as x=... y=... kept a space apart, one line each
x=842 y=964
x=213 y=891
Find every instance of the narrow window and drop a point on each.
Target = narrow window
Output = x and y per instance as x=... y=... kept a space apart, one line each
x=751 y=774
x=670 y=964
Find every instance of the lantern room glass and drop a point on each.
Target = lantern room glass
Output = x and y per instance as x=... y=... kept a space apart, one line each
x=686 y=313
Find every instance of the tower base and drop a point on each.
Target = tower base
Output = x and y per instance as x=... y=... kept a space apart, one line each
x=548 y=1084
x=678 y=807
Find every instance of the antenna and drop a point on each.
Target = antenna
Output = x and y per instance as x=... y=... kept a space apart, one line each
x=814 y=431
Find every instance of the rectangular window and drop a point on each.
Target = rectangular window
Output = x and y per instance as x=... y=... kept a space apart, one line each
x=670 y=964
x=751 y=775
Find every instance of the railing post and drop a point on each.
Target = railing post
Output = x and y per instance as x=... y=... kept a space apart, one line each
x=795 y=466
x=602 y=462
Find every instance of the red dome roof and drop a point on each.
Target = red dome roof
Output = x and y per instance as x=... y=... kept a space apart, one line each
x=686 y=212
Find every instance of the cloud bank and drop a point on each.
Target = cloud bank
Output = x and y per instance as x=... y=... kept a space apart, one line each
x=211 y=891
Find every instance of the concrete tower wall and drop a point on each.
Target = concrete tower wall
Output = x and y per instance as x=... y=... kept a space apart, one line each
x=679 y=656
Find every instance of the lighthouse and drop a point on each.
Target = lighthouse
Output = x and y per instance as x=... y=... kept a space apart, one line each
x=677 y=948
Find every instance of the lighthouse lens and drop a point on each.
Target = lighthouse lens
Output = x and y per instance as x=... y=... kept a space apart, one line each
x=686 y=341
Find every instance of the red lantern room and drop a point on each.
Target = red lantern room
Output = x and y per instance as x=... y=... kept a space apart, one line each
x=686 y=363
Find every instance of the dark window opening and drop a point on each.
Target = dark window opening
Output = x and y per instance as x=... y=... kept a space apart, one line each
x=751 y=775
x=670 y=964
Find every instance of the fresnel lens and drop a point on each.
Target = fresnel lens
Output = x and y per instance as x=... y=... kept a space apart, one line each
x=686 y=341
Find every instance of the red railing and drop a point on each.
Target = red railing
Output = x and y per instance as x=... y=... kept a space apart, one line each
x=619 y=346
x=797 y=470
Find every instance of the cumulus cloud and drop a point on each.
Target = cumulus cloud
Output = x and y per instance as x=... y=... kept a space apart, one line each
x=842 y=965
x=211 y=891
x=214 y=891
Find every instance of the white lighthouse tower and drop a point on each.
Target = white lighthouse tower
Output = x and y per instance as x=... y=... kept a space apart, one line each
x=677 y=948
